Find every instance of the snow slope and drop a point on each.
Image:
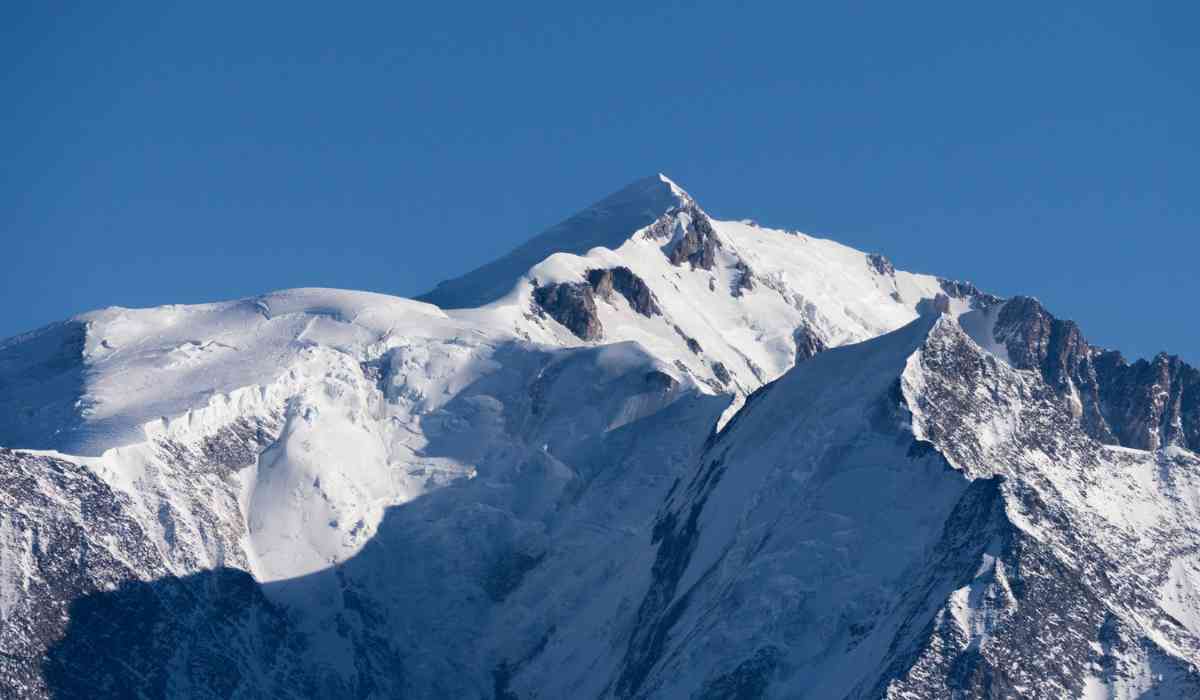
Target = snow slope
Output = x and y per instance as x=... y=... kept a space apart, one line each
x=544 y=483
x=100 y=380
x=874 y=524
x=606 y=224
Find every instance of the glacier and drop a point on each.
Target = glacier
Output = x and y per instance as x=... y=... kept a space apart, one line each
x=648 y=454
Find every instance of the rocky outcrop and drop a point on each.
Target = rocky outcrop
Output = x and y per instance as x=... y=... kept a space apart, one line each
x=212 y=634
x=1055 y=594
x=68 y=542
x=808 y=343
x=958 y=289
x=698 y=245
x=994 y=638
x=1057 y=350
x=228 y=449
x=1148 y=404
x=625 y=282
x=572 y=304
x=692 y=343
x=743 y=278
x=881 y=265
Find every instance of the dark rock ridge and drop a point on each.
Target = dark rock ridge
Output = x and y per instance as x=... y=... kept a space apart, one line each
x=743 y=278
x=692 y=343
x=573 y=304
x=881 y=264
x=1056 y=600
x=808 y=343
x=229 y=449
x=698 y=244
x=1052 y=629
x=623 y=281
x=1148 y=404
x=958 y=289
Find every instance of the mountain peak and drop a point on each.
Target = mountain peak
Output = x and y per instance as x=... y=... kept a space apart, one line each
x=675 y=187
x=607 y=223
x=774 y=457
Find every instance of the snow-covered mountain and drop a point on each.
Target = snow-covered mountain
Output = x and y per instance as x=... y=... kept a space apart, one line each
x=647 y=454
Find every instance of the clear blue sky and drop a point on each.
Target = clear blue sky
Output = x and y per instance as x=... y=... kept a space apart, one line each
x=167 y=152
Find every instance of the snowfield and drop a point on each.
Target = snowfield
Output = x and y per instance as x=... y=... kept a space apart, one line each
x=648 y=454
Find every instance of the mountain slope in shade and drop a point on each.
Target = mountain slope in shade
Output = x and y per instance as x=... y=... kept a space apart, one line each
x=606 y=224
x=647 y=454
x=912 y=518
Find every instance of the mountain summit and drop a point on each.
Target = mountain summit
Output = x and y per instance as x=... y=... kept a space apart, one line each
x=648 y=454
x=605 y=224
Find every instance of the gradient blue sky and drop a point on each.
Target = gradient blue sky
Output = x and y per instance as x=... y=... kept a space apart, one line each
x=168 y=152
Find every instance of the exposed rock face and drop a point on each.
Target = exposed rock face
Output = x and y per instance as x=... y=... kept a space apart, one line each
x=1057 y=561
x=65 y=564
x=660 y=381
x=625 y=282
x=1036 y=340
x=1147 y=404
x=203 y=636
x=941 y=304
x=808 y=343
x=755 y=369
x=573 y=305
x=698 y=244
x=663 y=227
x=881 y=264
x=958 y=289
x=721 y=373
x=229 y=449
x=743 y=280
x=1025 y=328
x=48 y=548
x=1150 y=404
x=692 y=343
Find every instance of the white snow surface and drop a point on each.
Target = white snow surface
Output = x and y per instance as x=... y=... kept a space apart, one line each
x=171 y=368
x=410 y=448
x=183 y=372
x=827 y=539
